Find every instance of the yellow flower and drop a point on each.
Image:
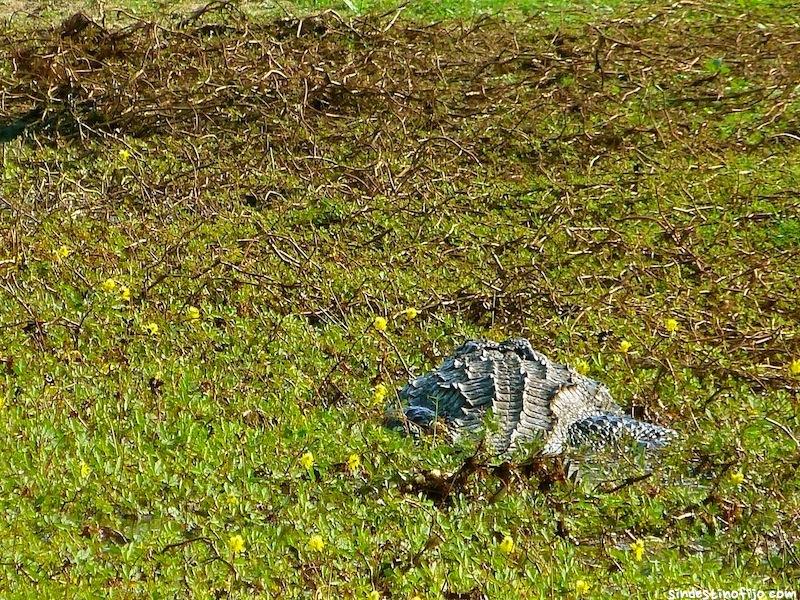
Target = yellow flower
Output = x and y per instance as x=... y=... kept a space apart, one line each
x=62 y=252
x=236 y=544
x=624 y=346
x=507 y=545
x=581 y=587
x=671 y=325
x=86 y=470
x=307 y=461
x=125 y=293
x=794 y=367
x=106 y=368
x=410 y=313
x=315 y=543
x=379 y=323
x=109 y=285
x=124 y=155
x=233 y=499
x=193 y=313
x=380 y=393
x=72 y=356
x=374 y=595
x=353 y=462
x=637 y=548
x=151 y=328
x=582 y=367
x=737 y=477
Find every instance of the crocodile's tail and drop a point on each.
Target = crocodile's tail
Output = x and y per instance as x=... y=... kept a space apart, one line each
x=606 y=428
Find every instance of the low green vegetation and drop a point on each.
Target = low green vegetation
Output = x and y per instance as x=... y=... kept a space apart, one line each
x=203 y=218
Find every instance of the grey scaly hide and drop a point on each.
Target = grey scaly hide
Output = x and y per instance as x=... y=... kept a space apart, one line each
x=530 y=398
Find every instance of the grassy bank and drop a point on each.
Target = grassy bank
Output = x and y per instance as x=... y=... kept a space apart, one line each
x=202 y=219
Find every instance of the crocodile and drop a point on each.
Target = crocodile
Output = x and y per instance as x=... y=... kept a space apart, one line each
x=529 y=397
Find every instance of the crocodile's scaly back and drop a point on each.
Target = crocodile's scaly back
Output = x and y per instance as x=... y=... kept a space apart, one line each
x=530 y=397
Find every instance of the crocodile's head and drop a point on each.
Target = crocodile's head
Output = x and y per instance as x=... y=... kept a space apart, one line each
x=402 y=417
x=414 y=420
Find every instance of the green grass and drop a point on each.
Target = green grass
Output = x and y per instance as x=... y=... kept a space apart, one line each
x=555 y=11
x=419 y=9
x=497 y=181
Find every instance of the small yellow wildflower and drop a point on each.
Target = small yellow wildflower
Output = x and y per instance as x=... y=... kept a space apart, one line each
x=106 y=368
x=62 y=252
x=374 y=595
x=671 y=325
x=737 y=477
x=411 y=313
x=794 y=367
x=124 y=155
x=73 y=356
x=193 y=313
x=86 y=470
x=315 y=543
x=233 y=499
x=581 y=587
x=236 y=544
x=624 y=346
x=109 y=285
x=637 y=548
x=380 y=323
x=151 y=328
x=507 y=545
x=582 y=366
x=380 y=393
x=307 y=461
x=353 y=463
x=125 y=293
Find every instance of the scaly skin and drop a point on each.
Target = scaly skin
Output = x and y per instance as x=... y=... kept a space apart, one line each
x=530 y=396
